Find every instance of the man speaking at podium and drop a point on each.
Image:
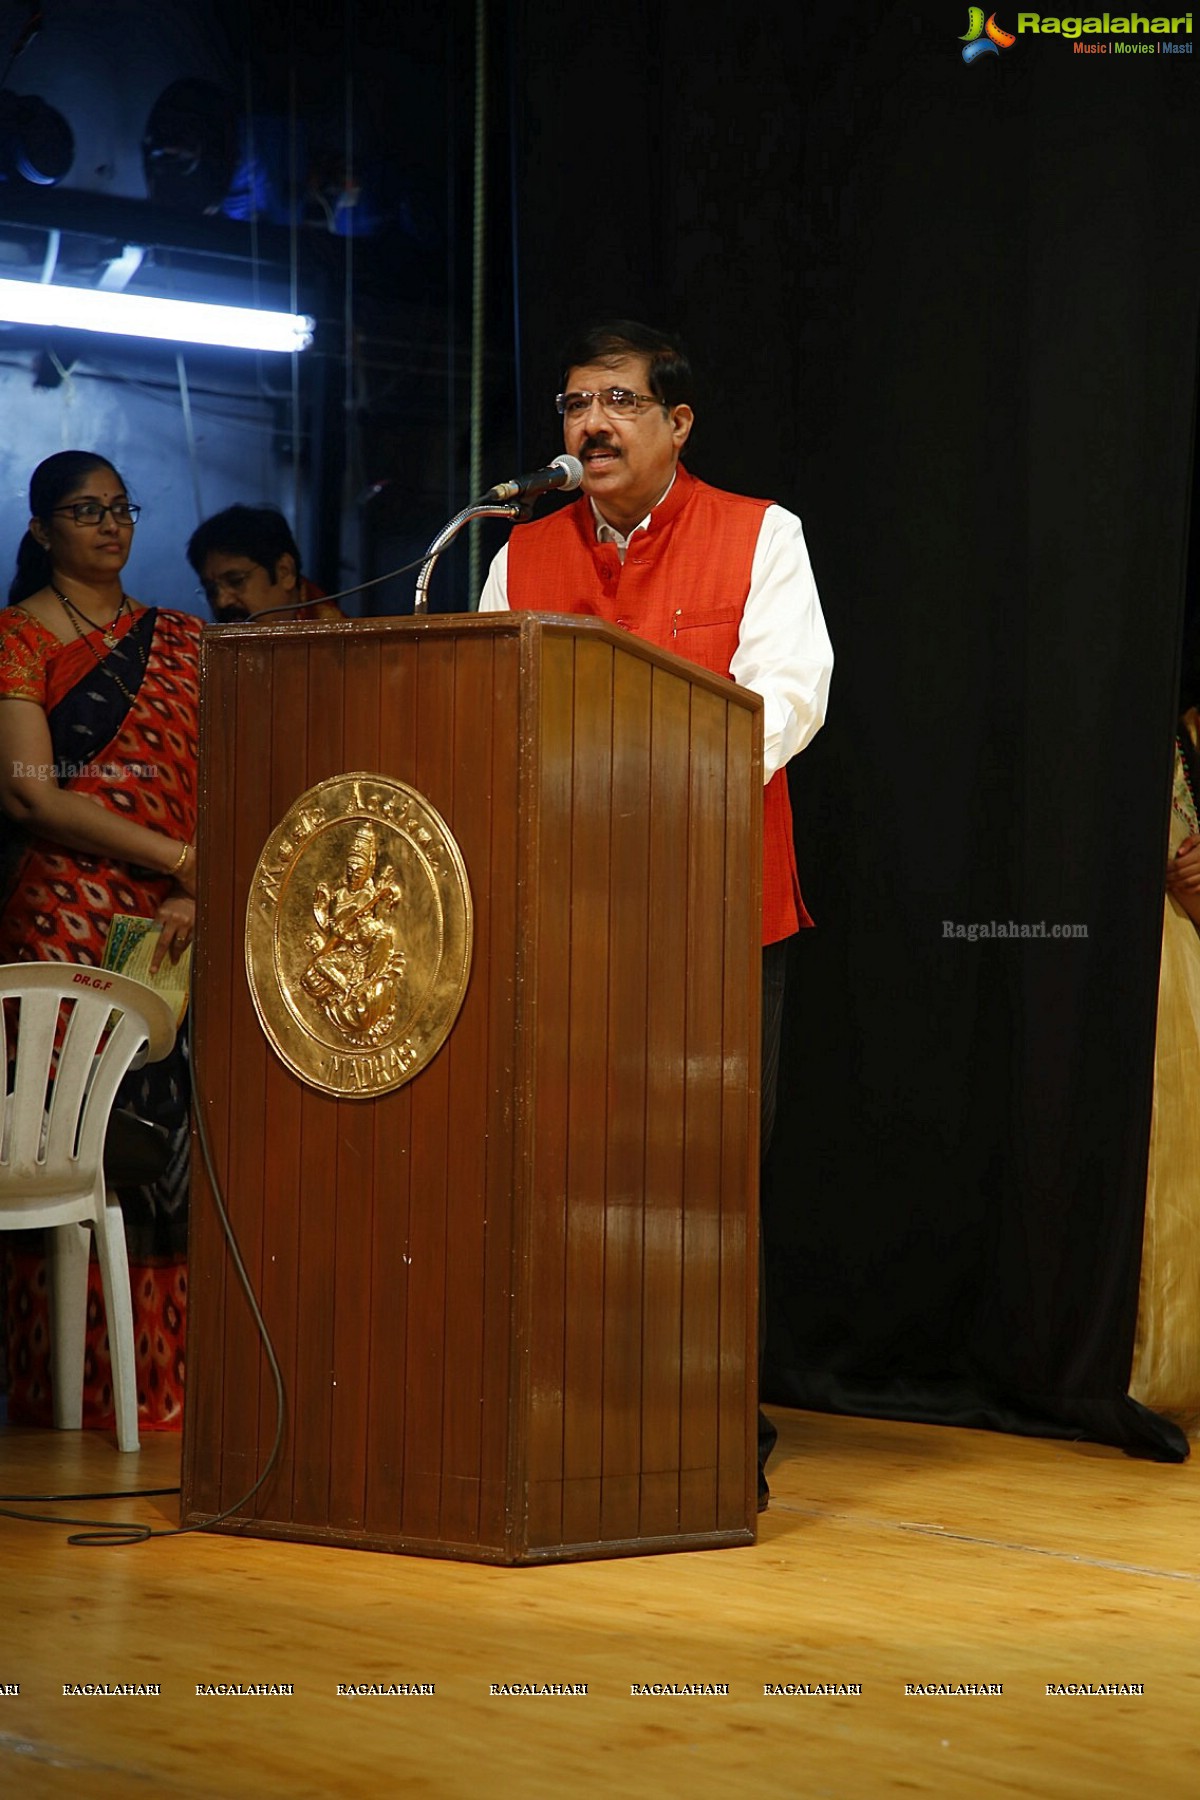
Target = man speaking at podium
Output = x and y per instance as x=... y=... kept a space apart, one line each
x=717 y=578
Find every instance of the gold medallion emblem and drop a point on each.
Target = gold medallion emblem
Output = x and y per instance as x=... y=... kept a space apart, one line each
x=358 y=935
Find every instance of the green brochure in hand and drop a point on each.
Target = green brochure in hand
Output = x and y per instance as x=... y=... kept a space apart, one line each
x=131 y=944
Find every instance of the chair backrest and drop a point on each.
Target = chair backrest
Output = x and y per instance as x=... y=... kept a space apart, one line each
x=77 y=1031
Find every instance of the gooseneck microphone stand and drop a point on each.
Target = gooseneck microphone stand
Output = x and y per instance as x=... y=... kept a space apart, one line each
x=517 y=510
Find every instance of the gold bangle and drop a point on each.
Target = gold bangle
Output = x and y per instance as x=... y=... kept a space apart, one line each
x=183 y=856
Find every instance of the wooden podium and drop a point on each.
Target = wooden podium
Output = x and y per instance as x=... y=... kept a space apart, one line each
x=513 y=1301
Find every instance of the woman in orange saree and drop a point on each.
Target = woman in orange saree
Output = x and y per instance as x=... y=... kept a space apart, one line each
x=98 y=720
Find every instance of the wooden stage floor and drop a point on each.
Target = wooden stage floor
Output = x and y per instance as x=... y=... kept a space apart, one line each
x=894 y=1556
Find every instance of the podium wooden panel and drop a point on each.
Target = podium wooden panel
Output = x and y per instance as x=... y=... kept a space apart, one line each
x=514 y=1301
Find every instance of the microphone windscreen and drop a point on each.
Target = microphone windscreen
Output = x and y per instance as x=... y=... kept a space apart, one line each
x=574 y=469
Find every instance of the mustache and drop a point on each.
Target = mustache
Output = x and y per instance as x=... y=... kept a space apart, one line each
x=597 y=440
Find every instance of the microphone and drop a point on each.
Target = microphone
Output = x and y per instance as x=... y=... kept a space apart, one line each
x=564 y=472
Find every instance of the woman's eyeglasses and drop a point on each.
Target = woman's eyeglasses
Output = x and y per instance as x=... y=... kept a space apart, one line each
x=91 y=512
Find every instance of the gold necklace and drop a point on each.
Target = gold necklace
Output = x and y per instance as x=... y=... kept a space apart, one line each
x=109 y=636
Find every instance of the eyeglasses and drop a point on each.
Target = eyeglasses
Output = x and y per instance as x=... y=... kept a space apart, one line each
x=233 y=581
x=91 y=512
x=617 y=402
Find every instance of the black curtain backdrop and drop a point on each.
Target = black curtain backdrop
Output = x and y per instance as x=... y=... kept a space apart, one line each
x=949 y=315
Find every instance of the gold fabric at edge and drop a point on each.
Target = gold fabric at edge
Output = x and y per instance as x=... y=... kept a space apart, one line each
x=1166 y=1355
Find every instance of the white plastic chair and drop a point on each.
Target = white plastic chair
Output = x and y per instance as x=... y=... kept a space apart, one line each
x=52 y=1153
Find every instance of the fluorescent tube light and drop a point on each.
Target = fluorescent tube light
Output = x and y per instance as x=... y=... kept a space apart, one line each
x=137 y=315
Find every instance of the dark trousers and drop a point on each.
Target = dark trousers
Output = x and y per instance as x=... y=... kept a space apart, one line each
x=774 y=976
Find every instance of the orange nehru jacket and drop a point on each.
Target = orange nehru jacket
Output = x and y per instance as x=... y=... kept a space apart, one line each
x=683 y=586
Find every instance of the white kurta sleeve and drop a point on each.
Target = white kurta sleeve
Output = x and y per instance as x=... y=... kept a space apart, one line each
x=783 y=650
x=494 y=597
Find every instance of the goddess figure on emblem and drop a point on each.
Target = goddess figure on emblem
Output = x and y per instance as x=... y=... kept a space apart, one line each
x=356 y=965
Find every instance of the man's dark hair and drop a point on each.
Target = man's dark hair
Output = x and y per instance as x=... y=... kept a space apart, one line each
x=670 y=370
x=259 y=532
